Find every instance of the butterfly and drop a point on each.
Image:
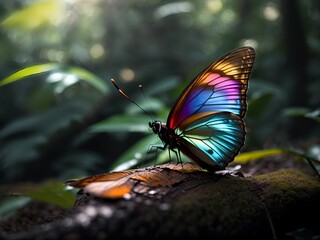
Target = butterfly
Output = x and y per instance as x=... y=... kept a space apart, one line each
x=206 y=122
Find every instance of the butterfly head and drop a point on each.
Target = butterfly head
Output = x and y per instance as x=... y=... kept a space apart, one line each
x=156 y=126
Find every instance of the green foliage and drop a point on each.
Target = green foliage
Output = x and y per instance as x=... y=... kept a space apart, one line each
x=37 y=15
x=25 y=139
x=123 y=123
x=136 y=155
x=52 y=192
x=302 y=112
x=63 y=120
x=313 y=161
x=244 y=158
x=66 y=76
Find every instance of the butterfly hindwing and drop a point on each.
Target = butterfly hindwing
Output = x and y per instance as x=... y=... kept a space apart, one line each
x=216 y=138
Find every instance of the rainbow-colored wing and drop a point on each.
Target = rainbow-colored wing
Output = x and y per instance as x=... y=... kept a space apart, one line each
x=208 y=114
x=213 y=140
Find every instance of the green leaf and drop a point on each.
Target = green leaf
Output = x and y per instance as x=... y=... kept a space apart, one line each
x=29 y=71
x=149 y=105
x=50 y=192
x=136 y=154
x=23 y=140
x=53 y=192
x=315 y=115
x=164 y=86
x=295 y=111
x=123 y=123
x=302 y=112
x=90 y=78
x=309 y=159
x=38 y=14
x=75 y=72
x=244 y=158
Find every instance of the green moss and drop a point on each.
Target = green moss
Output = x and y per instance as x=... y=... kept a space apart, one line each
x=286 y=179
x=227 y=206
x=288 y=192
x=217 y=206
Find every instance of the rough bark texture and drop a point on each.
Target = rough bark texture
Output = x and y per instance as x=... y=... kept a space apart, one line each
x=201 y=206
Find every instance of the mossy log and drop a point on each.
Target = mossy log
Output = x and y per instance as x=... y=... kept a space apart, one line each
x=202 y=206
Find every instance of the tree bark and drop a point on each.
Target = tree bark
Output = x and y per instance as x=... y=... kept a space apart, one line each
x=201 y=205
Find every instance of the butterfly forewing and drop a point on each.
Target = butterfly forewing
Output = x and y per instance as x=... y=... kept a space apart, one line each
x=220 y=87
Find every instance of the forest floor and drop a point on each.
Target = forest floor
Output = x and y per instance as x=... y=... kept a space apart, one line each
x=36 y=213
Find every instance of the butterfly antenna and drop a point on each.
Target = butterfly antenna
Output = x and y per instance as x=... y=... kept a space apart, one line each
x=129 y=98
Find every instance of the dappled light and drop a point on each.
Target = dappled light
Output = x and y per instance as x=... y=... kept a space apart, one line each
x=127 y=74
x=270 y=12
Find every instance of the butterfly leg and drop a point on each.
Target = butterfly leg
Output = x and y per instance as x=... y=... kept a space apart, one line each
x=156 y=147
x=177 y=153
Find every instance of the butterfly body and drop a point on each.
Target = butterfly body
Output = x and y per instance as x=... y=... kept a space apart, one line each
x=206 y=122
x=167 y=136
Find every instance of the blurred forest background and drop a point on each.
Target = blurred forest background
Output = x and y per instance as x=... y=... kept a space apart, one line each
x=65 y=119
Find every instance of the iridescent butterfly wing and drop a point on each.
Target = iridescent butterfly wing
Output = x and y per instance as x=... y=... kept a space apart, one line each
x=207 y=118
